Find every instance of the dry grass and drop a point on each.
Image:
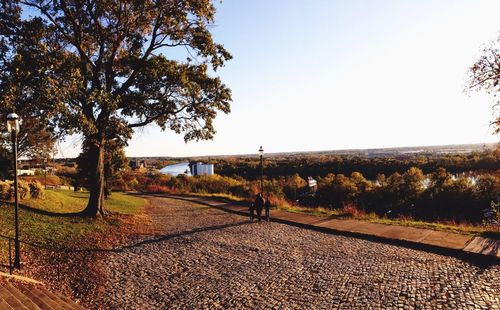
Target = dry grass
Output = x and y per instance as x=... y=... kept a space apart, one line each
x=461 y=228
x=350 y=212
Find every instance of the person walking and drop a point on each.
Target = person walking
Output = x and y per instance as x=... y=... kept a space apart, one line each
x=267 y=206
x=259 y=204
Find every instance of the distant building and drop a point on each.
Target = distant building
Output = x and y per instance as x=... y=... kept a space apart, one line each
x=137 y=164
x=25 y=172
x=202 y=169
x=312 y=183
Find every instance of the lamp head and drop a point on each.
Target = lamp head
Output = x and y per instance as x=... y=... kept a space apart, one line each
x=12 y=122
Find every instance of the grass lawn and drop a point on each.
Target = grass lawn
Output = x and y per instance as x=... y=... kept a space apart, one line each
x=55 y=230
x=66 y=201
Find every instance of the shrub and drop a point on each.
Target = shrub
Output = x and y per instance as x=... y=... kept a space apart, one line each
x=37 y=190
x=157 y=189
x=119 y=184
x=487 y=187
x=278 y=201
x=140 y=180
x=350 y=209
x=23 y=190
x=241 y=190
x=272 y=187
x=293 y=185
x=183 y=184
x=5 y=191
x=66 y=170
x=161 y=179
x=50 y=180
x=133 y=183
x=211 y=184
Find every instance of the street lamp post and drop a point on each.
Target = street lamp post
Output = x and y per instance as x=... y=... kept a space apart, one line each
x=13 y=128
x=261 y=151
x=45 y=171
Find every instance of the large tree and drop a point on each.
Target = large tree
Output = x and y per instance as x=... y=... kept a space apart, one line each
x=484 y=75
x=103 y=68
x=115 y=161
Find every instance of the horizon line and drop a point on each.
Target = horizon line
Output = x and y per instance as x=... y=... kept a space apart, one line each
x=487 y=144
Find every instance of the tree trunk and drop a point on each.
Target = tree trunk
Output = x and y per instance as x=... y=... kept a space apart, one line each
x=95 y=205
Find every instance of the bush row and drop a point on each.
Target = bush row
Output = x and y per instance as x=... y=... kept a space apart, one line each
x=160 y=183
x=26 y=190
x=50 y=180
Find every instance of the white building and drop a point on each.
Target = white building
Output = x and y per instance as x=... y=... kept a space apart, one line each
x=25 y=172
x=202 y=169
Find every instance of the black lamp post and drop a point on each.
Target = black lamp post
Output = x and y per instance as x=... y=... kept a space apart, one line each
x=13 y=128
x=261 y=152
x=45 y=171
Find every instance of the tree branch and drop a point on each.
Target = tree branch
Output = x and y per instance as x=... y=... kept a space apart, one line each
x=151 y=119
x=148 y=51
x=75 y=43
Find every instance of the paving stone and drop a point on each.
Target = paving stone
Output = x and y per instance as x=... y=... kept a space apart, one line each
x=206 y=258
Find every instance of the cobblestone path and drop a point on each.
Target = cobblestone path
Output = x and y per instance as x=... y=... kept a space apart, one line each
x=206 y=258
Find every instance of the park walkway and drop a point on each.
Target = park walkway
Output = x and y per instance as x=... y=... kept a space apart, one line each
x=200 y=257
x=417 y=237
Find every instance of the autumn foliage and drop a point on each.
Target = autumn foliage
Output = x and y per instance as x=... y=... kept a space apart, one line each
x=439 y=195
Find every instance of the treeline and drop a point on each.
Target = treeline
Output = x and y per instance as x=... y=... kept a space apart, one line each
x=438 y=195
x=370 y=167
x=435 y=196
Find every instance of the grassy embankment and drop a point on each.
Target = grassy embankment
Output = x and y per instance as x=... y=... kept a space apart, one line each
x=462 y=228
x=55 y=229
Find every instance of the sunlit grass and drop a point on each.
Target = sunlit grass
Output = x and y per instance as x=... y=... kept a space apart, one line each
x=55 y=230
x=66 y=201
x=462 y=228
x=59 y=201
x=124 y=204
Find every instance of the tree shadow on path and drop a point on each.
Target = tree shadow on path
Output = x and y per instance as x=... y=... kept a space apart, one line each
x=157 y=239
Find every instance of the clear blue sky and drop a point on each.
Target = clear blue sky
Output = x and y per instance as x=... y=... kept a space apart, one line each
x=324 y=75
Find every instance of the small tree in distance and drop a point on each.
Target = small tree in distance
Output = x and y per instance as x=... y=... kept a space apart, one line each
x=101 y=69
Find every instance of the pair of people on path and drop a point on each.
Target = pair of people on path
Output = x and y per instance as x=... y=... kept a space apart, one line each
x=258 y=205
